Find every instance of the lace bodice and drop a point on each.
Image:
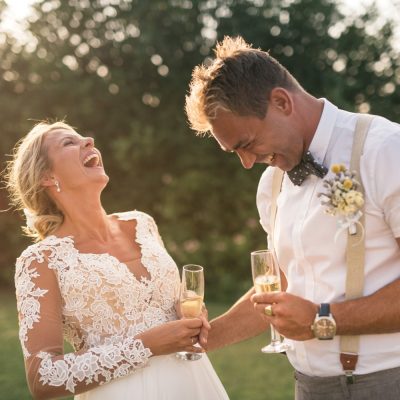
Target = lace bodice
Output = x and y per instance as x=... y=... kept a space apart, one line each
x=96 y=303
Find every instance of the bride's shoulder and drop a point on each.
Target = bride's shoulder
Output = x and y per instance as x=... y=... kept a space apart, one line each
x=46 y=244
x=146 y=227
x=133 y=215
x=45 y=250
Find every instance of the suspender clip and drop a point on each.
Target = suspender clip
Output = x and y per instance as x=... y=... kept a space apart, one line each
x=349 y=361
x=349 y=377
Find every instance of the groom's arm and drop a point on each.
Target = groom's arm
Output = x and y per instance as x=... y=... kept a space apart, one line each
x=240 y=322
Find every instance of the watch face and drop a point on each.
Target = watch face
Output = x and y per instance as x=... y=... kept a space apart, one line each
x=325 y=328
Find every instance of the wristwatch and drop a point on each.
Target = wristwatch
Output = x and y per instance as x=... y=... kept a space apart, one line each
x=324 y=326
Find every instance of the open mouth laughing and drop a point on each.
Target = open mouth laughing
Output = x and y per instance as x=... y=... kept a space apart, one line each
x=92 y=161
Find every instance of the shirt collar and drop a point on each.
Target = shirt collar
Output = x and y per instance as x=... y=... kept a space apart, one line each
x=322 y=136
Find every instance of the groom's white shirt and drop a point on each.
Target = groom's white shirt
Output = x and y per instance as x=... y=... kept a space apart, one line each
x=304 y=236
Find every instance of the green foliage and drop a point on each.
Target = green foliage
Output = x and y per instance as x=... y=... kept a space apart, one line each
x=118 y=70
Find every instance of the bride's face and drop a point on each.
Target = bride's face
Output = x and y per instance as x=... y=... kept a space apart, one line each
x=74 y=161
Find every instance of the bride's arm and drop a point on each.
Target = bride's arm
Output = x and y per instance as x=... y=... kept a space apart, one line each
x=51 y=373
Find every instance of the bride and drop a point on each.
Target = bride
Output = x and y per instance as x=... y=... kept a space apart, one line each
x=105 y=283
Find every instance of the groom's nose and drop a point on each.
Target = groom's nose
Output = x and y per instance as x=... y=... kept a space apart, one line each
x=247 y=158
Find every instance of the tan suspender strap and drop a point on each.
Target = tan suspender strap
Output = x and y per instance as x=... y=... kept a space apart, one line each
x=276 y=189
x=355 y=252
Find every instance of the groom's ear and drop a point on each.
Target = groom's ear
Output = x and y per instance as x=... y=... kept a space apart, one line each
x=281 y=99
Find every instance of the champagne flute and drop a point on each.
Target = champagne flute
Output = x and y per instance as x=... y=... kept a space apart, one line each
x=266 y=279
x=191 y=300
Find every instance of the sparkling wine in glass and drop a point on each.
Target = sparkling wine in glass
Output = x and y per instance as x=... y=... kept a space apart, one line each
x=266 y=279
x=191 y=300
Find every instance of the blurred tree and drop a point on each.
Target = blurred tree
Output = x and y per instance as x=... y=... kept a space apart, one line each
x=119 y=70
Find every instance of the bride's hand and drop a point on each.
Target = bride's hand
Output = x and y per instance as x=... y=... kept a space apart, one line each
x=203 y=336
x=173 y=336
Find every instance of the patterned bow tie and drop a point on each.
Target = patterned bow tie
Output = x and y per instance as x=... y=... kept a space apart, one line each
x=308 y=166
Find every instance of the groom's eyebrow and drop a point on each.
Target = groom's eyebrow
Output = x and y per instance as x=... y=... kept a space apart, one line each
x=241 y=144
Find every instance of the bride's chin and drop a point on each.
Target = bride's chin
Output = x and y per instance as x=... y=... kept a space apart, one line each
x=100 y=183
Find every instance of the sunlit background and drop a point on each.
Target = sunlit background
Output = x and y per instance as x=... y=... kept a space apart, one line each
x=119 y=70
x=19 y=10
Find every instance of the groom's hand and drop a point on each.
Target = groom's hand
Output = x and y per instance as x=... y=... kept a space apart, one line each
x=292 y=315
x=203 y=336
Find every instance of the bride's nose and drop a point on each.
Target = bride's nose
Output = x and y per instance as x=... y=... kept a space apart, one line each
x=88 y=142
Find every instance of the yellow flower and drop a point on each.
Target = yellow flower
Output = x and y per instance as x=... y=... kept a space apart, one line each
x=347 y=184
x=336 y=168
x=343 y=197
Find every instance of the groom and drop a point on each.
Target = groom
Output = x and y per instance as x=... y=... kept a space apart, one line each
x=255 y=108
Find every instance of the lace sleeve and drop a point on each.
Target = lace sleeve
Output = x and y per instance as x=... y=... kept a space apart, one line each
x=50 y=372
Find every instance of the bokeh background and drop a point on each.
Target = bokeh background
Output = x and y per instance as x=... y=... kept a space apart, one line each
x=118 y=70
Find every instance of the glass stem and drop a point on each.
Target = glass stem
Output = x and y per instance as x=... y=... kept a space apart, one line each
x=275 y=337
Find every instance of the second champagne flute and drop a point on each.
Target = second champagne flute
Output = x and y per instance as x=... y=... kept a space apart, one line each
x=267 y=279
x=191 y=299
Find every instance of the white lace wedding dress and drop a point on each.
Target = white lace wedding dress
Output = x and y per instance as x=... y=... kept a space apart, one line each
x=95 y=303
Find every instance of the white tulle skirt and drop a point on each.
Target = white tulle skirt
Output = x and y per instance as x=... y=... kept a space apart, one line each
x=164 y=378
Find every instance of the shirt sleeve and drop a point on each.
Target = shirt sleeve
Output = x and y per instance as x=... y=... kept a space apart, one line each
x=263 y=198
x=51 y=373
x=382 y=170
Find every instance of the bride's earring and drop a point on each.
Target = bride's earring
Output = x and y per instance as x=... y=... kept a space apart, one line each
x=58 y=186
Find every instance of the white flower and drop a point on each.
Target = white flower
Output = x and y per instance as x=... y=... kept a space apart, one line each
x=342 y=198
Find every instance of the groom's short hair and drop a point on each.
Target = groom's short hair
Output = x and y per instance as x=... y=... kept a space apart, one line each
x=238 y=80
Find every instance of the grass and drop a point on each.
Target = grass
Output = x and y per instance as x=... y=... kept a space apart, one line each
x=12 y=376
x=246 y=373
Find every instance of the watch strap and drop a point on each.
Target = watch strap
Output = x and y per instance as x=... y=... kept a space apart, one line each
x=324 y=310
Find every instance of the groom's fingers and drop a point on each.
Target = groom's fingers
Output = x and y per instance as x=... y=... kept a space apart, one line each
x=267 y=298
x=205 y=328
x=206 y=324
x=204 y=333
x=267 y=303
x=261 y=307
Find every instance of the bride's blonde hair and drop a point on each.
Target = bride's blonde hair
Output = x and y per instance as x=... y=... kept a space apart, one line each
x=24 y=174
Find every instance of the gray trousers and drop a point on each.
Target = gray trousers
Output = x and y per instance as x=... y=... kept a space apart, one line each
x=382 y=385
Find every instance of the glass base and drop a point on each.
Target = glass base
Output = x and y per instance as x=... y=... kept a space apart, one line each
x=276 y=347
x=186 y=356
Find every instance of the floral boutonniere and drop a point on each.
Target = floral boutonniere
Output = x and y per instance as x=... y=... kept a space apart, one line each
x=343 y=199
